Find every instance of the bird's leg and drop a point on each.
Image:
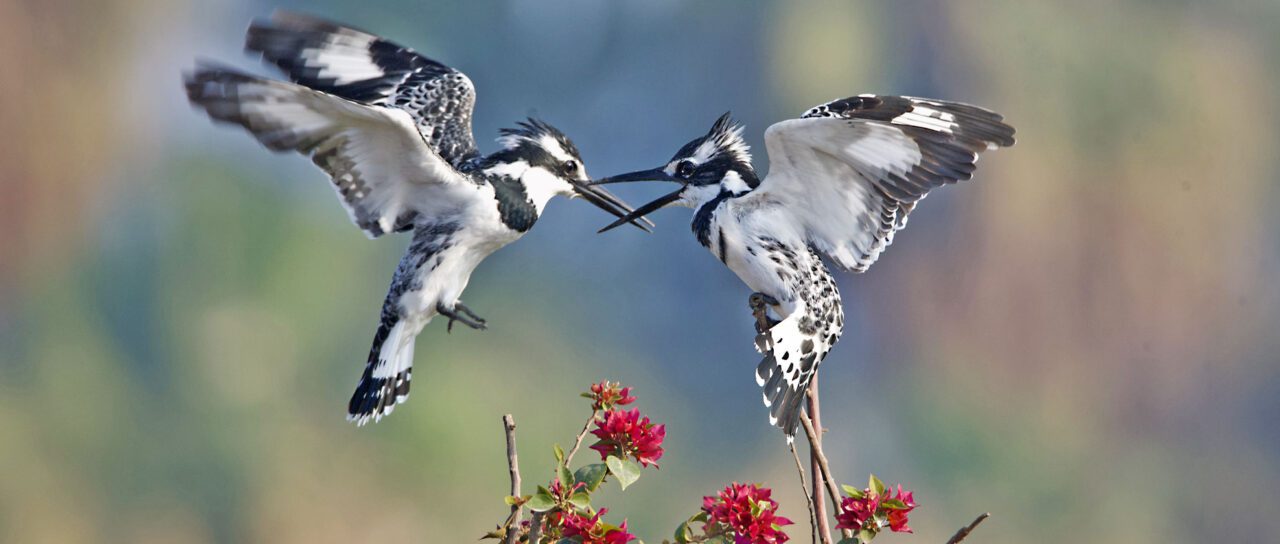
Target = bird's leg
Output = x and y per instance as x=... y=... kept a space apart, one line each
x=464 y=309
x=760 y=303
x=473 y=321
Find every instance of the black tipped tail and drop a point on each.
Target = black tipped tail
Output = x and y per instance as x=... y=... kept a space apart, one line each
x=387 y=374
x=785 y=401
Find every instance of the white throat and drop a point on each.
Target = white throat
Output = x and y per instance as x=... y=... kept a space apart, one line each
x=694 y=196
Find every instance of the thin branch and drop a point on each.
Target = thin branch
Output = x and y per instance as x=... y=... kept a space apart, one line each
x=964 y=531
x=818 y=464
x=578 y=443
x=535 y=528
x=812 y=429
x=513 y=465
x=821 y=458
x=813 y=514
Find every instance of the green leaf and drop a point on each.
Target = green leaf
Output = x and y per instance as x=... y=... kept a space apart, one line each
x=866 y=535
x=876 y=485
x=699 y=517
x=893 y=504
x=541 y=501
x=591 y=476
x=566 y=477
x=580 y=500
x=850 y=540
x=719 y=539
x=852 y=491
x=626 y=470
x=559 y=451
x=512 y=500
x=683 y=533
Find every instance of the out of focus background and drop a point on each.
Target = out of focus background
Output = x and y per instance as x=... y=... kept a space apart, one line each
x=1082 y=341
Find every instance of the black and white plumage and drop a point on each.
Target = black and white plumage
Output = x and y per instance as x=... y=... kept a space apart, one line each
x=843 y=179
x=393 y=131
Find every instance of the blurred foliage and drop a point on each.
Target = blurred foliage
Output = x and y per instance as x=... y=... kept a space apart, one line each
x=1083 y=338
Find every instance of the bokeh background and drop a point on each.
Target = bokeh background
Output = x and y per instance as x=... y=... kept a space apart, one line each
x=1082 y=341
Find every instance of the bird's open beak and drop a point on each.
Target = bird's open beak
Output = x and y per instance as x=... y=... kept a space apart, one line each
x=608 y=202
x=657 y=174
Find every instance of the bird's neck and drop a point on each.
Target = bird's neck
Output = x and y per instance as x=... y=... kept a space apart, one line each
x=521 y=192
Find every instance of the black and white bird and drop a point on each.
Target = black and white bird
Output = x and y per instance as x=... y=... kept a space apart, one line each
x=842 y=180
x=392 y=129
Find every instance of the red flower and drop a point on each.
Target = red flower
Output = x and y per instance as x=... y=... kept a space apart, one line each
x=898 y=516
x=592 y=531
x=747 y=511
x=605 y=395
x=627 y=434
x=855 y=511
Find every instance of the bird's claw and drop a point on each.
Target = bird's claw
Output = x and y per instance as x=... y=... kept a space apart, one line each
x=470 y=318
x=760 y=303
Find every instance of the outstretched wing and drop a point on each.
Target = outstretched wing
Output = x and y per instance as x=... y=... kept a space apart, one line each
x=852 y=169
x=364 y=68
x=382 y=170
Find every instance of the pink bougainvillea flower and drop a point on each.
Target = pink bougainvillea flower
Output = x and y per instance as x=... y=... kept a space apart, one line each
x=592 y=531
x=856 y=511
x=627 y=434
x=605 y=395
x=898 y=516
x=748 y=512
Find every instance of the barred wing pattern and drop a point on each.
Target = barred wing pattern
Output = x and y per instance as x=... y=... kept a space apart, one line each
x=380 y=168
x=852 y=169
x=364 y=68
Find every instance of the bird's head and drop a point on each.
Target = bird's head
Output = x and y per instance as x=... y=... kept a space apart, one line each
x=547 y=164
x=716 y=163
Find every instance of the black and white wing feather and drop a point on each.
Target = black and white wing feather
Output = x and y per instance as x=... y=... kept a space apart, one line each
x=851 y=170
x=382 y=170
x=364 y=68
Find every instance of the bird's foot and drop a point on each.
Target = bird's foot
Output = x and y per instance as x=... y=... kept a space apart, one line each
x=760 y=303
x=461 y=314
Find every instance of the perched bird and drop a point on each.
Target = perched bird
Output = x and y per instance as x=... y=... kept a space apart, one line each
x=843 y=179
x=392 y=129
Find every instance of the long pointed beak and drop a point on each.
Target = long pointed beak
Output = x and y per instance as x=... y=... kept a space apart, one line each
x=657 y=174
x=610 y=203
x=646 y=209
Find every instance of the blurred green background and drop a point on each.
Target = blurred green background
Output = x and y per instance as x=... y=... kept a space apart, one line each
x=1082 y=341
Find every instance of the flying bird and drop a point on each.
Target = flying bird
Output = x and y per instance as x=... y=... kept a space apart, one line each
x=842 y=180
x=392 y=129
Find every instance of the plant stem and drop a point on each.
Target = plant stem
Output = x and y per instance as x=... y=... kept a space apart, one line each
x=513 y=466
x=964 y=531
x=808 y=500
x=578 y=443
x=817 y=463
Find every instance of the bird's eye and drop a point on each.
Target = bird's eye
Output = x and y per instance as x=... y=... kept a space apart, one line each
x=684 y=169
x=571 y=166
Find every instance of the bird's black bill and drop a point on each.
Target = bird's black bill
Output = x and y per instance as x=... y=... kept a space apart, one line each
x=646 y=209
x=657 y=174
x=610 y=203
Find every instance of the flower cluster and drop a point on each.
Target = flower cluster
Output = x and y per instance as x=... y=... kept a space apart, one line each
x=870 y=510
x=747 y=512
x=626 y=434
x=590 y=530
x=606 y=395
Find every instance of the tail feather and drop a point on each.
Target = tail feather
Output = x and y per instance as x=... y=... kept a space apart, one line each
x=387 y=374
x=788 y=365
